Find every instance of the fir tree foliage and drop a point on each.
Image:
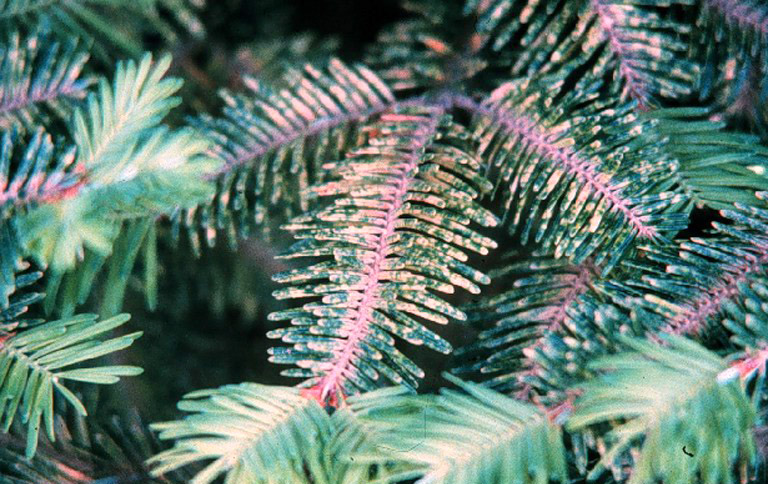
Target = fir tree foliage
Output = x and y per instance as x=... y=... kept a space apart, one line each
x=273 y=141
x=254 y=433
x=712 y=418
x=617 y=340
x=40 y=77
x=93 y=21
x=35 y=363
x=705 y=286
x=134 y=166
x=554 y=192
x=716 y=168
x=411 y=193
x=514 y=323
x=637 y=43
x=470 y=436
x=734 y=66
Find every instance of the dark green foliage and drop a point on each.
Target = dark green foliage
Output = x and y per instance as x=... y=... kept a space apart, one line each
x=636 y=43
x=730 y=40
x=273 y=142
x=555 y=192
x=717 y=168
x=98 y=449
x=538 y=292
x=89 y=19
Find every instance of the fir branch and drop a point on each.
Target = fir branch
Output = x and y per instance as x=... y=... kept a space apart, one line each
x=666 y=394
x=80 y=19
x=748 y=14
x=734 y=68
x=694 y=315
x=360 y=327
x=587 y=171
x=696 y=290
x=718 y=167
x=516 y=321
x=638 y=44
x=34 y=362
x=129 y=166
x=557 y=179
x=39 y=75
x=471 y=436
x=409 y=195
x=36 y=179
x=273 y=141
x=611 y=17
x=137 y=100
x=435 y=51
x=253 y=433
x=305 y=117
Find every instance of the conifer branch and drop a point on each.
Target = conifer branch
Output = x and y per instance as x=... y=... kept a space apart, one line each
x=273 y=142
x=695 y=314
x=587 y=171
x=637 y=43
x=36 y=180
x=612 y=17
x=549 y=173
x=748 y=14
x=702 y=286
x=405 y=174
x=127 y=165
x=35 y=362
x=38 y=76
x=718 y=167
x=409 y=195
x=253 y=433
x=516 y=322
x=472 y=435
x=661 y=394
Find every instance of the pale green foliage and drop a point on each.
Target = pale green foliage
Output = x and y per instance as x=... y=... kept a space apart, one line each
x=35 y=362
x=473 y=436
x=260 y=434
x=256 y=434
x=134 y=166
x=674 y=399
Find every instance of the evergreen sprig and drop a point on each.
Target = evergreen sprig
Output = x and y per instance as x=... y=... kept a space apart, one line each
x=397 y=231
x=669 y=394
x=39 y=76
x=36 y=362
x=273 y=141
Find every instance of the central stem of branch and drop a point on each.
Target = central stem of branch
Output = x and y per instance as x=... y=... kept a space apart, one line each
x=330 y=384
